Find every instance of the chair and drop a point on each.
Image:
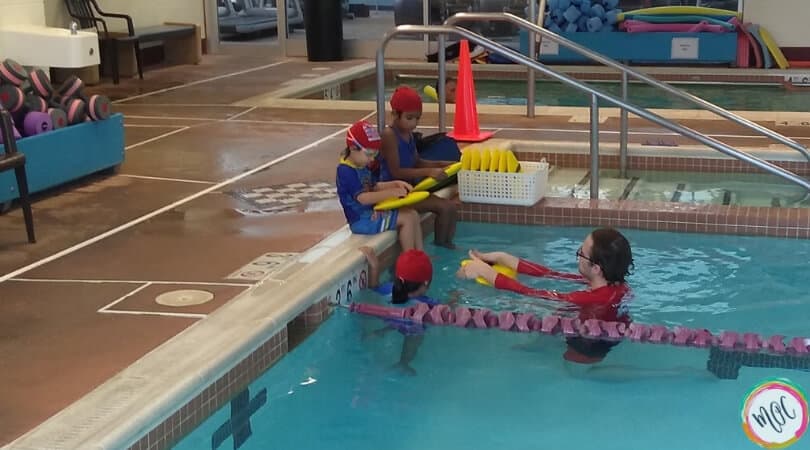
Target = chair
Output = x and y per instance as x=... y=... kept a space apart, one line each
x=86 y=11
x=12 y=159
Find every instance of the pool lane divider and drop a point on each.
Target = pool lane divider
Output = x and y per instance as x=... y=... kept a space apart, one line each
x=464 y=317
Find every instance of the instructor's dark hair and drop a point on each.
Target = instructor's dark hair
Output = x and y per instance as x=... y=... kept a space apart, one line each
x=611 y=251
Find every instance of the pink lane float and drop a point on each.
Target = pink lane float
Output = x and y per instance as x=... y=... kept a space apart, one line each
x=592 y=328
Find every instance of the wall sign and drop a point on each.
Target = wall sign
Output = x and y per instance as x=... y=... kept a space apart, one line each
x=685 y=48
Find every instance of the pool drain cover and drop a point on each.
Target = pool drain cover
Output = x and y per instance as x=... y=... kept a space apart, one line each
x=185 y=297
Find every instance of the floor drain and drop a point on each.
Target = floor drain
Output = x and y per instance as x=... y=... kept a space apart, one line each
x=185 y=297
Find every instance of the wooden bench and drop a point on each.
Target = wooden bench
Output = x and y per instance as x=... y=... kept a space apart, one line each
x=182 y=41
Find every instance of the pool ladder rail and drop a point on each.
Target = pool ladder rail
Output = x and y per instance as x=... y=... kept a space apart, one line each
x=449 y=28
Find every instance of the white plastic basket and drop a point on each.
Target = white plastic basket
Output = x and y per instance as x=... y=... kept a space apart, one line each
x=525 y=188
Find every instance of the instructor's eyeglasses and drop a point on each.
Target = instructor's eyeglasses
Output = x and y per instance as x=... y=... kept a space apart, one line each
x=582 y=255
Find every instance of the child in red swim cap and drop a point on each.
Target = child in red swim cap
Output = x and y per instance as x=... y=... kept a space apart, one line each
x=400 y=161
x=359 y=191
x=413 y=273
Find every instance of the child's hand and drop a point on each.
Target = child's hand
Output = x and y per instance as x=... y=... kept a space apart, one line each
x=404 y=184
x=438 y=174
x=476 y=268
x=397 y=191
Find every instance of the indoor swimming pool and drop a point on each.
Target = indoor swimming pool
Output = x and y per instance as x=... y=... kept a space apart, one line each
x=550 y=93
x=481 y=389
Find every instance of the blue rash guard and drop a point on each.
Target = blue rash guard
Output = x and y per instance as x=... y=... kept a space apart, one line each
x=404 y=326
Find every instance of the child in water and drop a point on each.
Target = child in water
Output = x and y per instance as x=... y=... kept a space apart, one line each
x=401 y=161
x=359 y=191
x=413 y=273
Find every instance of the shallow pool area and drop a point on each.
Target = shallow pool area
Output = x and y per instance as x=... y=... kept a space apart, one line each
x=549 y=93
x=494 y=389
x=740 y=189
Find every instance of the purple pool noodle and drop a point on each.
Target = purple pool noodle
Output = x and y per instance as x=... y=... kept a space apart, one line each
x=549 y=324
x=591 y=328
x=614 y=330
x=570 y=327
x=637 y=332
x=463 y=316
x=703 y=338
x=728 y=340
x=797 y=345
x=682 y=335
x=776 y=344
x=523 y=322
x=479 y=318
x=36 y=122
x=659 y=334
x=752 y=342
x=506 y=320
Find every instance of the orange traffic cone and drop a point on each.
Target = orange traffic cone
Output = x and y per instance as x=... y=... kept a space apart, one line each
x=465 y=125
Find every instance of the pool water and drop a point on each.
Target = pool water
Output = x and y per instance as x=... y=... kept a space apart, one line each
x=552 y=93
x=473 y=390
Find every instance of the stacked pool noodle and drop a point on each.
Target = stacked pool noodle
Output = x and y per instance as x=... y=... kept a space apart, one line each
x=582 y=16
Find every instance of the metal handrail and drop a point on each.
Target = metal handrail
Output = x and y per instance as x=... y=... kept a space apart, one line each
x=474 y=17
x=443 y=30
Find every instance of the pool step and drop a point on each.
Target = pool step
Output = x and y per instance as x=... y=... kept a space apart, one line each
x=576 y=183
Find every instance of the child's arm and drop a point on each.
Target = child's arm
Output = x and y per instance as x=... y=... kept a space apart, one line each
x=426 y=163
x=374 y=197
x=390 y=151
x=393 y=185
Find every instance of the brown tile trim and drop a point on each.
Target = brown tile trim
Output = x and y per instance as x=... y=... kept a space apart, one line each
x=677 y=217
x=190 y=415
x=688 y=164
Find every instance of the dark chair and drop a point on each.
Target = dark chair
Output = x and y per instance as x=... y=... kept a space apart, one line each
x=12 y=159
x=87 y=13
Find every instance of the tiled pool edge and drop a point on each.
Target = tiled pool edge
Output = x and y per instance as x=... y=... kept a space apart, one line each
x=655 y=216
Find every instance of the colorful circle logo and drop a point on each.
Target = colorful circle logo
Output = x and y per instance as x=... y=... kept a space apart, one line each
x=775 y=414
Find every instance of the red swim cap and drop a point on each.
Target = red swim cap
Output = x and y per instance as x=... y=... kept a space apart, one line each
x=363 y=134
x=405 y=99
x=414 y=266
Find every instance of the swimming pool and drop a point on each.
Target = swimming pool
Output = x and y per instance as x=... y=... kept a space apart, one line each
x=550 y=93
x=473 y=390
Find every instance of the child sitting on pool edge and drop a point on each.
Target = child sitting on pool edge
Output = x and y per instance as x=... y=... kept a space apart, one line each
x=401 y=161
x=359 y=191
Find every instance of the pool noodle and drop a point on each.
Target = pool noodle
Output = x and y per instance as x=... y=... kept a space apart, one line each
x=767 y=62
x=752 y=45
x=683 y=10
x=771 y=44
x=636 y=26
x=684 y=19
